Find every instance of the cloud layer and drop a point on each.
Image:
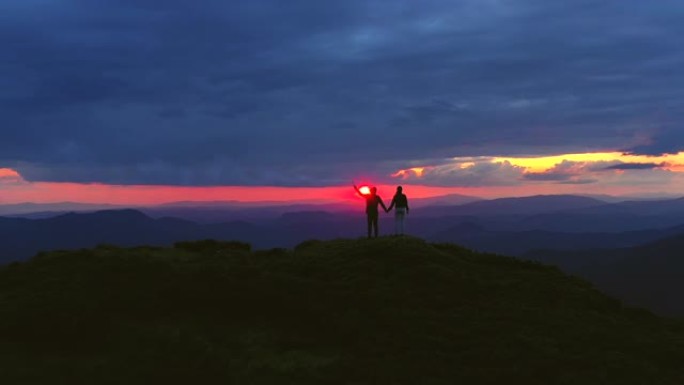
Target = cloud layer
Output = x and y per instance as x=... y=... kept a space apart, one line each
x=308 y=93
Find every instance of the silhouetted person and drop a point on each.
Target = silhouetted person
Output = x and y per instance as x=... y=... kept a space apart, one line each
x=372 y=202
x=401 y=209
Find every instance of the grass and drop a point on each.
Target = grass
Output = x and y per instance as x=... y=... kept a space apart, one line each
x=384 y=311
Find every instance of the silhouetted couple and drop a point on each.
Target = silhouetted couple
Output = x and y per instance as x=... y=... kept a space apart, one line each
x=373 y=200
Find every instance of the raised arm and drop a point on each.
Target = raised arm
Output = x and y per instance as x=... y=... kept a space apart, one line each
x=357 y=189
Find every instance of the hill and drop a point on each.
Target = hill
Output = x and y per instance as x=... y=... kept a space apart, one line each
x=506 y=234
x=46 y=209
x=648 y=275
x=23 y=238
x=515 y=243
x=517 y=206
x=385 y=311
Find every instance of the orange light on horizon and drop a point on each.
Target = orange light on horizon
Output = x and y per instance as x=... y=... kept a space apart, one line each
x=15 y=189
x=542 y=164
x=9 y=173
x=674 y=167
x=407 y=173
x=671 y=162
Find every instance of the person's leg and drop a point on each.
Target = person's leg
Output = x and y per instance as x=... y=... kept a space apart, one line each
x=403 y=223
x=375 y=226
x=397 y=221
x=399 y=218
x=369 y=220
x=402 y=218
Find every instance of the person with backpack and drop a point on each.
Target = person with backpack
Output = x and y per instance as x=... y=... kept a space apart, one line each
x=372 y=202
x=401 y=209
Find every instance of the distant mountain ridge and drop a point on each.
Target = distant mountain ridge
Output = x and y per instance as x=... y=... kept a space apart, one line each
x=46 y=208
x=511 y=226
x=516 y=243
x=23 y=238
x=576 y=252
x=650 y=275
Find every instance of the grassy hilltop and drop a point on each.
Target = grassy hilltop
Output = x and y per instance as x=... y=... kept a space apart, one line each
x=385 y=311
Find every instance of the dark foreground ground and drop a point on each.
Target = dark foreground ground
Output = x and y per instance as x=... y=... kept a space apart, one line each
x=386 y=311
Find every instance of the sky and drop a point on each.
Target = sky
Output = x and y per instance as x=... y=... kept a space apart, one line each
x=150 y=101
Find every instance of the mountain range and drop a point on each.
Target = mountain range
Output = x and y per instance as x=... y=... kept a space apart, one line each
x=648 y=275
x=630 y=248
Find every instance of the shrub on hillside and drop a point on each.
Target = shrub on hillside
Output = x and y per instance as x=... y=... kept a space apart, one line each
x=213 y=246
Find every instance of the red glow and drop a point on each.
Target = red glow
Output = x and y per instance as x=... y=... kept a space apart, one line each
x=9 y=174
x=14 y=189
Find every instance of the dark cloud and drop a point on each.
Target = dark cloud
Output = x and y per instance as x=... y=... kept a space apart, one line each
x=580 y=181
x=310 y=92
x=547 y=176
x=659 y=143
x=634 y=166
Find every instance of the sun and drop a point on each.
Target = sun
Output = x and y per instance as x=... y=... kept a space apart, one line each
x=364 y=190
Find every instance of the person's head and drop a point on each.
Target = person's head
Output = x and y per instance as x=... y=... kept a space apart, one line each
x=374 y=190
x=399 y=189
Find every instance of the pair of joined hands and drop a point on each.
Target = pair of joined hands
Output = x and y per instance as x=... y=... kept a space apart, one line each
x=387 y=211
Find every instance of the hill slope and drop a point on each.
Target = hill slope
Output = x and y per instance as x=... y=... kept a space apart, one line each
x=386 y=311
x=648 y=275
x=516 y=243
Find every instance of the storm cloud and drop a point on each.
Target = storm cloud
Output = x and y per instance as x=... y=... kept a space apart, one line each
x=305 y=92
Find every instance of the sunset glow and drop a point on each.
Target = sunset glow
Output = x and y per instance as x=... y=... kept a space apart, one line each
x=607 y=172
x=8 y=173
x=405 y=174
x=672 y=162
x=20 y=191
x=577 y=165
